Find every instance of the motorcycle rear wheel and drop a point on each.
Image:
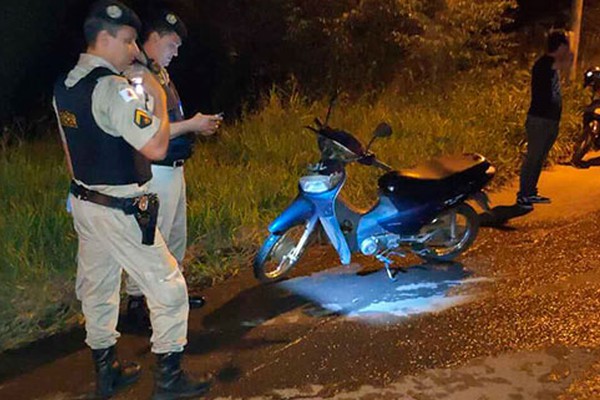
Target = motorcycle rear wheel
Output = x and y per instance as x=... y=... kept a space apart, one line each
x=273 y=261
x=581 y=148
x=454 y=231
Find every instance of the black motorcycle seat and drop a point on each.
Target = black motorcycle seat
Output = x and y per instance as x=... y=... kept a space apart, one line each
x=442 y=167
x=439 y=177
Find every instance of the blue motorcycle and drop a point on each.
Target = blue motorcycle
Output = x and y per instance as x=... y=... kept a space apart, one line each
x=423 y=209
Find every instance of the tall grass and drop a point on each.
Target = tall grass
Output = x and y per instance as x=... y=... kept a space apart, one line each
x=241 y=180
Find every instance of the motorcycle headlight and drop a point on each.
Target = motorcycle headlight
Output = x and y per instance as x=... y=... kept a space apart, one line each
x=318 y=183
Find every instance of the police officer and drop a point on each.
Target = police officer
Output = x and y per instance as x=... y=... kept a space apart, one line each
x=163 y=33
x=109 y=134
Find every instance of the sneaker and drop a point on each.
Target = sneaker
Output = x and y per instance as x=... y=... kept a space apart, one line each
x=536 y=198
x=524 y=203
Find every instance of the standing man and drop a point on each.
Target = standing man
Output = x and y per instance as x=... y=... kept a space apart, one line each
x=163 y=33
x=544 y=115
x=109 y=135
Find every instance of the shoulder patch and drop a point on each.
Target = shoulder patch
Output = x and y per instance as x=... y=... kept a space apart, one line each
x=141 y=118
x=67 y=119
x=597 y=111
x=128 y=94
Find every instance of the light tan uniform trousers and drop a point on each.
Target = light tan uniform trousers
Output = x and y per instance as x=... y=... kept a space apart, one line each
x=110 y=241
x=169 y=184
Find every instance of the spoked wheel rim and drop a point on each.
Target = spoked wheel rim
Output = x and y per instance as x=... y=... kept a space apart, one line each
x=450 y=233
x=281 y=258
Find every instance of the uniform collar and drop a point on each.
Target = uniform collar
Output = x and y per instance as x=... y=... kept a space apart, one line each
x=154 y=67
x=87 y=62
x=149 y=63
x=93 y=61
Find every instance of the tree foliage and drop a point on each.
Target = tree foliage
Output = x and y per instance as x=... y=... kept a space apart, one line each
x=359 y=45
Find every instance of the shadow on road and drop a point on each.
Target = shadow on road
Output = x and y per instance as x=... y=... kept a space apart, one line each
x=17 y=362
x=498 y=216
x=227 y=325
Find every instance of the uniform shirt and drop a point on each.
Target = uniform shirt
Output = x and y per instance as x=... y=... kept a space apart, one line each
x=114 y=105
x=180 y=146
x=546 y=98
x=162 y=75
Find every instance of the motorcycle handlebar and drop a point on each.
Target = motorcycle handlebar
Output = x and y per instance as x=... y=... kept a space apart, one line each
x=371 y=160
x=382 y=165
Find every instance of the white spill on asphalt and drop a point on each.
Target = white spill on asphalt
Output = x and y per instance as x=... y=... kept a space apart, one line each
x=422 y=289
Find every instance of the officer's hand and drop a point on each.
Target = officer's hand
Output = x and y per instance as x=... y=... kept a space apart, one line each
x=206 y=124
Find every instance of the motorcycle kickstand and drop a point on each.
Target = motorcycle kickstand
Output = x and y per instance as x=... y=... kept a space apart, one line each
x=391 y=273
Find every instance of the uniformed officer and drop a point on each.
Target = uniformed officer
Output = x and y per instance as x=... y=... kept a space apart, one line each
x=163 y=33
x=109 y=134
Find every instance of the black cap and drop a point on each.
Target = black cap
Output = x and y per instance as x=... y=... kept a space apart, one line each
x=116 y=13
x=164 y=20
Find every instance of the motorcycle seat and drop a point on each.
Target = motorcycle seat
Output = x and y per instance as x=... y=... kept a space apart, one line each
x=442 y=167
x=439 y=177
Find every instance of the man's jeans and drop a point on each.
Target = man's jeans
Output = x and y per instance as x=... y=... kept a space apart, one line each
x=541 y=135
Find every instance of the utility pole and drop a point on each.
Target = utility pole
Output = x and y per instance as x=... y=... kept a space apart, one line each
x=576 y=16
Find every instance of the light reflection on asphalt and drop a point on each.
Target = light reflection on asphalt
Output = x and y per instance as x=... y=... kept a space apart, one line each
x=373 y=297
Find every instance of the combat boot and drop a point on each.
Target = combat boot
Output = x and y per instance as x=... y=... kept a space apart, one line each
x=111 y=376
x=171 y=382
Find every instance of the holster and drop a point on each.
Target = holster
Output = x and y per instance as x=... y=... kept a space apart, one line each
x=144 y=208
x=145 y=211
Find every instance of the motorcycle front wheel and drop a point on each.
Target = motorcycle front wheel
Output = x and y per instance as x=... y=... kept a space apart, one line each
x=278 y=254
x=450 y=234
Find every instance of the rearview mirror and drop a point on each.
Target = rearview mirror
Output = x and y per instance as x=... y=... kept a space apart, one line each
x=382 y=130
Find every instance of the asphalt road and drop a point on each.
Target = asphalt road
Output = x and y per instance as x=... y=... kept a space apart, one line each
x=517 y=317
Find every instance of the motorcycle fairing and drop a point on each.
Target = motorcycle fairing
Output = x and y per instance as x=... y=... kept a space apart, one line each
x=402 y=218
x=305 y=206
x=297 y=212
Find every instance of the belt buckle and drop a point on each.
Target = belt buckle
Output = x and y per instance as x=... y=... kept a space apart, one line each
x=142 y=202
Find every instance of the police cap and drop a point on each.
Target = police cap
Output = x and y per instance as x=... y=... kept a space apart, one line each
x=164 y=20
x=116 y=13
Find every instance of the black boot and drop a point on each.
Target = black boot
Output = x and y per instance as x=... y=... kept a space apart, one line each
x=171 y=382
x=111 y=376
x=138 y=316
x=197 y=301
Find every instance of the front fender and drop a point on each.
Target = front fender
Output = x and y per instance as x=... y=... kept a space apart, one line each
x=299 y=211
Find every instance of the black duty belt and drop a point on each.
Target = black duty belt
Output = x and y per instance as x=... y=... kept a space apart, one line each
x=170 y=163
x=144 y=208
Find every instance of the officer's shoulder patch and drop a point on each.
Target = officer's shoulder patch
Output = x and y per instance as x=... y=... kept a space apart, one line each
x=597 y=111
x=142 y=118
x=128 y=94
x=67 y=119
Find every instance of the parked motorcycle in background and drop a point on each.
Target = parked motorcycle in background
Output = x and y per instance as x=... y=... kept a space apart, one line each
x=590 y=137
x=422 y=210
